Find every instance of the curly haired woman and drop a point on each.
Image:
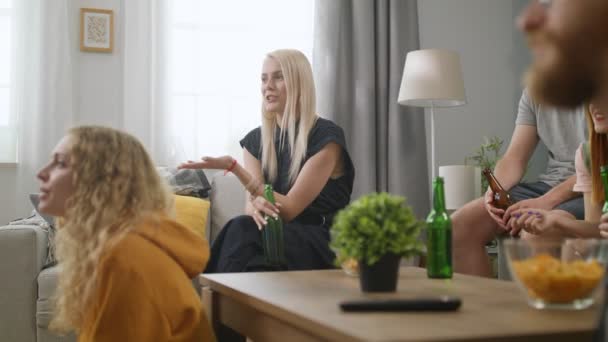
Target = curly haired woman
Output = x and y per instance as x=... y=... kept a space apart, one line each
x=125 y=264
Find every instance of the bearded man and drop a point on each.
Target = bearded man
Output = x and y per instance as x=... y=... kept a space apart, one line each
x=479 y=221
x=569 y=43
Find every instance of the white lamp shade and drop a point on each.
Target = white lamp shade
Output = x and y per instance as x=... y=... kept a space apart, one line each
x=432 y=78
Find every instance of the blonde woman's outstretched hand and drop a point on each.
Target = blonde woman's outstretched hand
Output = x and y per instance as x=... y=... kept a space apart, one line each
x=219 y=163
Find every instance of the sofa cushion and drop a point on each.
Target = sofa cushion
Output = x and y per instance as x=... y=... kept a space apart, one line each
x=22 y=254
x=227 y=201
x=47 y=283
x=186 y=182
x=192 y=212
x=47 y=229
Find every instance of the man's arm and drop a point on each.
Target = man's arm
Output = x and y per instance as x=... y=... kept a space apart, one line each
x=511 y=167
x=561 y=192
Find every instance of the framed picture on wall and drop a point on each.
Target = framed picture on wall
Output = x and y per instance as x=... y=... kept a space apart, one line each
x=96 y=30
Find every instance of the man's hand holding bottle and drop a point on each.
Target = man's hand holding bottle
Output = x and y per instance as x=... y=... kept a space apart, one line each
x=497 y=199
x=495 y=213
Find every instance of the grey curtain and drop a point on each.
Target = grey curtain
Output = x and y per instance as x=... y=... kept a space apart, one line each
x=358 y=57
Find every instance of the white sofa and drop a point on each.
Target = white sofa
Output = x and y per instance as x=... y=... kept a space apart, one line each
x=25 y=288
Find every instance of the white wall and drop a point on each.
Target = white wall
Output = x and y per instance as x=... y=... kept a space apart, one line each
x=99 y=76
x=97 y=79
x=493 y=56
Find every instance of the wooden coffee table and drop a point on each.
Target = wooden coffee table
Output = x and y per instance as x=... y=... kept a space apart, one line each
x=303 y=306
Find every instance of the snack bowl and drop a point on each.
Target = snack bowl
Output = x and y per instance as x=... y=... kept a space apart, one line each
x=351 y=267
x=558 y=274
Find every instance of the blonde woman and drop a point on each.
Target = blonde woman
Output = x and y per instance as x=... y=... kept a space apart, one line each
x=303 y=156
x=589 y=158
x=125 y=264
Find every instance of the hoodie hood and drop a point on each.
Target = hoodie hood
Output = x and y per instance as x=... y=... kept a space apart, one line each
x=180 y=243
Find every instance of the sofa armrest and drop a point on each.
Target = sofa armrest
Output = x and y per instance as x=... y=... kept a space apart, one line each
x=23 y=250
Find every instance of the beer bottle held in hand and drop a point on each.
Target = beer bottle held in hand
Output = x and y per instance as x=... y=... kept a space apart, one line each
x=439 y=236
x=502 y=199
x=604 y=176
x=272 y=235
x=600 y=333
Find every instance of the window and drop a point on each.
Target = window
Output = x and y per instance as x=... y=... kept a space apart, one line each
x=214 y=64
x=8 y=151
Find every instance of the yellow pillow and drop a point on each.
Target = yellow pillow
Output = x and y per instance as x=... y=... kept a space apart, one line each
x=192 y=212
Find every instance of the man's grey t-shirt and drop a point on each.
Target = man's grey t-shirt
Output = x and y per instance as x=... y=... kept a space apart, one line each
x=561 y=130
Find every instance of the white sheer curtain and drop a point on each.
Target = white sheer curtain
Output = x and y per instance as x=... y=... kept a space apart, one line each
x=145 y=111
x=8 y=151
x=42 y=100
x=194 y=67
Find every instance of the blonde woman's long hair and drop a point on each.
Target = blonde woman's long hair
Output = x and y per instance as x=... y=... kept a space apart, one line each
x=300 y=106
x=598 y=148
x=116 y=185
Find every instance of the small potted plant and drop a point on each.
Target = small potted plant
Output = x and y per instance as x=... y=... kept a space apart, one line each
x=377 y=230
x=486 y=156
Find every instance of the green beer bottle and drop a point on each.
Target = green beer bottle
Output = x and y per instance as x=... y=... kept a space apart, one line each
x=604 y=175
x=439 y=236
x=272 y=235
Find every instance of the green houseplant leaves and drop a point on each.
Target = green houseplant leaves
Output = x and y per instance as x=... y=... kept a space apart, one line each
x=486 y=156
x=374 y=225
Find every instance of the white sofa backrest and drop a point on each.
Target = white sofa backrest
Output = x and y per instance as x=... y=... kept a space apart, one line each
x=227 y=201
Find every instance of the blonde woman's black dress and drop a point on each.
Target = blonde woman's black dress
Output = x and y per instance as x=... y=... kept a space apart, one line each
x=238 y=248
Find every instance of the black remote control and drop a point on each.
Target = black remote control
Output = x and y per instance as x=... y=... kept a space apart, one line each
x=444 y=303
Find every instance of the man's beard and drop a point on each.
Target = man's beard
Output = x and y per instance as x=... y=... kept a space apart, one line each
x=571 y=80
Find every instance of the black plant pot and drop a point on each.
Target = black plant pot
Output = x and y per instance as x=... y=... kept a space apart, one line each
x=381 y=276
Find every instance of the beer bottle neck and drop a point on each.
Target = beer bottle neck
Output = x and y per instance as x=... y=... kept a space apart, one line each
x=604 y=176
x=492 y=181
x=438 y=197
x=269 y=193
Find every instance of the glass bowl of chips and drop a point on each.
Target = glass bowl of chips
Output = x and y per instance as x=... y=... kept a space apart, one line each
x=560 y=274
x=351 y=267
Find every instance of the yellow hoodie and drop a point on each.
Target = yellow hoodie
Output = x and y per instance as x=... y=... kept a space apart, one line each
x=144 y=289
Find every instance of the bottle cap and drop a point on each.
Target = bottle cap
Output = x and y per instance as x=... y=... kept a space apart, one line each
x=604 y=168
x=438 y=179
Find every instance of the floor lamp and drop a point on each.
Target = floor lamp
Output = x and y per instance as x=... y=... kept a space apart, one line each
x=432 y=78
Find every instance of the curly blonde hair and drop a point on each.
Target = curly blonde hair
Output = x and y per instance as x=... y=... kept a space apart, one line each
x=116 y=185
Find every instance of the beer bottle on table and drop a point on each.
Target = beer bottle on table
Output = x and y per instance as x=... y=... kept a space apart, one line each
x=272 y=235
x=502 y=199
x=439 y=236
